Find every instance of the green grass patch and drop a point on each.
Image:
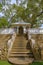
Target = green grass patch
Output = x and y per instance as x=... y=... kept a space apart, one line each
x=37 y=63
x=4 y=63
x=7 y=63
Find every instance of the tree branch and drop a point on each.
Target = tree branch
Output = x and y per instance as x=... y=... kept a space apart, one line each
x=40 y=14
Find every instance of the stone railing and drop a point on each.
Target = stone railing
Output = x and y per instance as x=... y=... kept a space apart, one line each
x=7 y=31
x=30 y=30
x=35 y=31
x=10 y=42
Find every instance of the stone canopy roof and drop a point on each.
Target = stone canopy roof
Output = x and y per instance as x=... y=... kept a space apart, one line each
x=20 y=23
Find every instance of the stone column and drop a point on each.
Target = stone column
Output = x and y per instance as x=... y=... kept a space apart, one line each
x=17 y=29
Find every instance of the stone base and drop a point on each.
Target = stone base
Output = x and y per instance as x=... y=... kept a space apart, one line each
x=19 y=61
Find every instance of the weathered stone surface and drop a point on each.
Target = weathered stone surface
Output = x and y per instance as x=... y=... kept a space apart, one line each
x=38 y=46
x=3 y=45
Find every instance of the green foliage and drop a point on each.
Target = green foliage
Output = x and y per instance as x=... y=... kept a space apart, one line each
x=0 y=6
x=33 y=7
x=26 y=10
x=3 y=22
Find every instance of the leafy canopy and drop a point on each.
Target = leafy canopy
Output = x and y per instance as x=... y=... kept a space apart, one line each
x=27 y=10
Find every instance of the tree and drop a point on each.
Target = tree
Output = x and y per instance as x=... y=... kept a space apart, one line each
x=3 y=22
x=3 y=6
x=27 y=10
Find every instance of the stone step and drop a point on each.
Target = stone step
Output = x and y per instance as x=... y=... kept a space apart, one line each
x=21 y=61
x=21 y=54
x=17 y=44
x=30 y=55
x=17 y=47
x=18 y=55
x=20 y=50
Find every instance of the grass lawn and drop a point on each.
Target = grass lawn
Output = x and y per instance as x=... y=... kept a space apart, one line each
x=37 y=63
x=4 y=63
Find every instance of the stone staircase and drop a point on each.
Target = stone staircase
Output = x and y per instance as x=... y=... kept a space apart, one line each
x=19 y=51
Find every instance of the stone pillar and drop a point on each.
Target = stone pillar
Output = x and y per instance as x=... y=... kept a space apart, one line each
x=27 y=33
x=17 y=29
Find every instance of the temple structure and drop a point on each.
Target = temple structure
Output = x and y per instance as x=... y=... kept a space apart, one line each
x=21 y=52
x=22 y=45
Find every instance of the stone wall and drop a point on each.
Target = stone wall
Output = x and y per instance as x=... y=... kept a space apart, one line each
x=38 y=47
x=38 y=44
x=3 y=45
